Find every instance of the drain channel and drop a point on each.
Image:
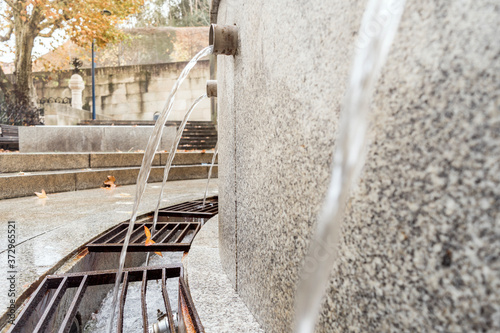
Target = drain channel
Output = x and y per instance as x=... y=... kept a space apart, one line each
x=170 y=236
x=193 y=208
x=53 y=288
x=176 y=228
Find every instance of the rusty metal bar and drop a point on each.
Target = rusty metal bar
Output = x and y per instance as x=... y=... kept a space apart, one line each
x=159 y=232
x=179 y=206
x=123 y=297
x=140 y=235
x=119 y=235
x=51 y=307
x=108 y=276
x=167 y=301
x=139 y=231
x=183 y=234
x=59 y=283
x=73 y=308
x=108 y=235
x=186 y=214
x=184 y=294
x=144 y=305
x=30 y=306
x=164 y=239
x=170 y=234
x=117 y=247
x=192 y=208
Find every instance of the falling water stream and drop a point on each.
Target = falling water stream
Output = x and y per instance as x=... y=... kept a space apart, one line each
x=168 y=165
x=216 y=151
x=143 y=176
x=348 y=159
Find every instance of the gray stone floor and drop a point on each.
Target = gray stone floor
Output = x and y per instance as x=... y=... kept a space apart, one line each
x=47 y=230
x=220 y=308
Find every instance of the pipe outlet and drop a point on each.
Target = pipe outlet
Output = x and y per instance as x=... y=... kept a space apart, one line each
x=212 y=88
x=224 y=39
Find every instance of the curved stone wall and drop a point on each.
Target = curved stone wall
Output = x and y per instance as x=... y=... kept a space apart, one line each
x=420 y=238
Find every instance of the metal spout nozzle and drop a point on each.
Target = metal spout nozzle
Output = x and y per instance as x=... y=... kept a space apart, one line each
x=212 y=88
x=224 y=39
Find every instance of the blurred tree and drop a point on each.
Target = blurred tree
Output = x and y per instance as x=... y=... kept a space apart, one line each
x=153 y=14
x=189 y=13
x=80 y=20
x=176 y=13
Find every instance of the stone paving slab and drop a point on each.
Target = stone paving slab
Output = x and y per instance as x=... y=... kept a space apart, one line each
x=220 y=308
x=25 y=184
x=48 y=230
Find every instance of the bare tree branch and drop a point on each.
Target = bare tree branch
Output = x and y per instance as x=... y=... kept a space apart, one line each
x=52 y=24
x=8 y=35
x=13 y=6
x=7 y=16
x=49 y=34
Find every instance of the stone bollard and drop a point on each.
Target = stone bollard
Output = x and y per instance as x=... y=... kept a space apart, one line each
x=76 y=85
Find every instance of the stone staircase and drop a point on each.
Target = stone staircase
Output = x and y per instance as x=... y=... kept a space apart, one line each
x=197 y=135
x=22 y=174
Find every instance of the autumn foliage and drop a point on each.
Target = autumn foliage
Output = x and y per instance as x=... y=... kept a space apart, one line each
x=80 y=20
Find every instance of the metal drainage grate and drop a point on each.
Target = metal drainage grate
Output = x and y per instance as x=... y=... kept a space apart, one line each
x=169 y=236
x=193 y=208
x=60 y=283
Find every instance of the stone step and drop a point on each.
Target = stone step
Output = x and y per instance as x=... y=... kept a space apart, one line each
x=30 y=162
x=200 y=127
x=199 y=137
x=15 y=185
x=198 y=140
x=199 y=133
x=196 y=147
x=211 y=129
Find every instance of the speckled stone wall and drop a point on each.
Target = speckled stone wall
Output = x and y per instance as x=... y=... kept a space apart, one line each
x=421 y=237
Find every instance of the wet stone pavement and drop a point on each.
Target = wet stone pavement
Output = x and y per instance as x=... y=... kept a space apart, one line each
x=48 y=230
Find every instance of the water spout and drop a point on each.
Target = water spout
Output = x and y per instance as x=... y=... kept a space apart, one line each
x=168 y=165
x=143 y=176
x=212 y=88
x=224 y=39
x=348 y=159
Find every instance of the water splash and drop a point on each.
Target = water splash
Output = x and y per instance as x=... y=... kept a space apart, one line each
x=372 y=50
x=168 y=165
x=143 y=176
x=131 y=322
x=216 y=151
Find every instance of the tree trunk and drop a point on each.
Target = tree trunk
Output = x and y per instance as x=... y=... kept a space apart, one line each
x=25 y=89
x=5 y=84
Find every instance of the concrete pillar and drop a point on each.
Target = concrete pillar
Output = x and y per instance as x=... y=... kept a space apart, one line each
x=76 y=85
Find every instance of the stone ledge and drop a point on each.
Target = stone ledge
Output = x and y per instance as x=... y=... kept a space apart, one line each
x=32 y=162
x=25 y=184
x=220 y=308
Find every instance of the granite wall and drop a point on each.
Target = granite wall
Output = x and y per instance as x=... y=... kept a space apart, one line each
x=421 y=236
x=134 y=92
